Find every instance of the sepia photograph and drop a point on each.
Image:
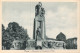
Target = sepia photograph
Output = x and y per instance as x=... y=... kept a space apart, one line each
x=39 y=25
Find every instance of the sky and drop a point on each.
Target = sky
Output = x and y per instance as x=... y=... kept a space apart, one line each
x=59 y=17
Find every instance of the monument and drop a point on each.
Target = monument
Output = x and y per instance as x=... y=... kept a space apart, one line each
x=39 y=40
x=39 y=24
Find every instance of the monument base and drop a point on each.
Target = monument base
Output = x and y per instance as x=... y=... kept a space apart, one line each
x=45 y=44
x=38 y=44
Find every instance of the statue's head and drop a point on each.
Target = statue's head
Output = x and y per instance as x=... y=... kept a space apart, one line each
x=40 y=3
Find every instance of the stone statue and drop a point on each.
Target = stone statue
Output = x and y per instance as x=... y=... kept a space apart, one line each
x=38 y=8
x=42 y=12
x=38 y=32
x=39 y=22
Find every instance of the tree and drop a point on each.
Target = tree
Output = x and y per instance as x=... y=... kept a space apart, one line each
x=17 y=31
x=5 y=38
x=3 y=30
x=13 y=32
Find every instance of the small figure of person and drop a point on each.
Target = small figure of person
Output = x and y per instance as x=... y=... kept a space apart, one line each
x=38 y=33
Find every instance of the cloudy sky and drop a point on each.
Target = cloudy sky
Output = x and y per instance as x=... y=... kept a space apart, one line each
x=59 y=16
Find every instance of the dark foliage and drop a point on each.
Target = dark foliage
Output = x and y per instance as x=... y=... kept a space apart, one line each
x=71 y=43
x=11 y=33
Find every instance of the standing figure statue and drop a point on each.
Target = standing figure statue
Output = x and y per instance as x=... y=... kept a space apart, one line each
x=38 y=8
x=42 y=12
x=38 y=33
